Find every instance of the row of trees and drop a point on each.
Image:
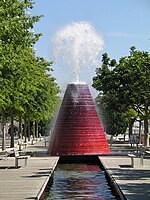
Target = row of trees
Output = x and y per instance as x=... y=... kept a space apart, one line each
x=28 y=91
x=124 y=92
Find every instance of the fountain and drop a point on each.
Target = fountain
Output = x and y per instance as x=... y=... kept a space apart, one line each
x=78 y=130
x=78 y=137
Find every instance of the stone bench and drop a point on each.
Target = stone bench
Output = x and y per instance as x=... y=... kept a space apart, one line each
x=148 y=152
x=22 y=144
x=3 y=155
x=45 y=141
x=132 y=156
x=18 y=157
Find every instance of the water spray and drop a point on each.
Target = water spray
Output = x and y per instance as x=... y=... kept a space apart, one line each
x=77 y=46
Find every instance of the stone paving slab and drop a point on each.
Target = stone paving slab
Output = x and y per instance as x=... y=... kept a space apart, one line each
x=133 y=181
x=24 y=182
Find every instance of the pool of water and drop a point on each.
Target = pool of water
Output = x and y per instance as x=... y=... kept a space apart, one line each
x=79 y=181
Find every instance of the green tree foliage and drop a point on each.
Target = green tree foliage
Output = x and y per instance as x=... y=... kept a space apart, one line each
x=16 y=41
x=127 y=85
x=114 y=121
x=44 y=98
x=134 y=76
x=26 y=85
x=110 y=108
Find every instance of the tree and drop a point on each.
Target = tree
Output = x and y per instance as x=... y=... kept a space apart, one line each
x=122 y=85
x=16 y=39
x=134 y=75
x=23 y=76
x=43 y=100
x=113 y=117
x=114 y=121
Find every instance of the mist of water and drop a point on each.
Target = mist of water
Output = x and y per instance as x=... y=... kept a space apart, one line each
x=77 y=46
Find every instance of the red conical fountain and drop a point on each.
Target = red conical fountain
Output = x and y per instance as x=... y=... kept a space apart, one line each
x=77 y=130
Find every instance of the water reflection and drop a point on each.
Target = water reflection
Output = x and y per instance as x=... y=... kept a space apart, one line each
x=79 y=181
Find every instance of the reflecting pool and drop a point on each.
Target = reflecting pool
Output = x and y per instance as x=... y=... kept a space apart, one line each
x=79 y=181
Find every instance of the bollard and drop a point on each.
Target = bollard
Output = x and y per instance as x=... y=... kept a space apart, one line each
x=141 y=160
x=20 y=149
x=40 y=137
x=45 y=140
x=19 y=143
x=31 y=137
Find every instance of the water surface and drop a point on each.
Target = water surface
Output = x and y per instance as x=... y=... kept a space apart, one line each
x=79 y=181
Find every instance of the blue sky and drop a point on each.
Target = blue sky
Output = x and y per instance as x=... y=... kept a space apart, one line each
x=122 y=23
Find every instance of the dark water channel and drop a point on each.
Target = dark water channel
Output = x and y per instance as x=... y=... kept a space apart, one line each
x=79 y=181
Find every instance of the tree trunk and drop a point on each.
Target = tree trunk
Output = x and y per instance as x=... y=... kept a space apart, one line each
x=12 y=143
x=131 y=121
x=146 y=142
x=20 y=126
x=3 y=131
x=140 y=126
x=33 y=129
x=25 y=129
x=36 y=129
x=29 y=130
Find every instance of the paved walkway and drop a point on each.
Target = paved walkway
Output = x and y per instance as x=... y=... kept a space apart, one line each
x=133 y=181
x=26 y=182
